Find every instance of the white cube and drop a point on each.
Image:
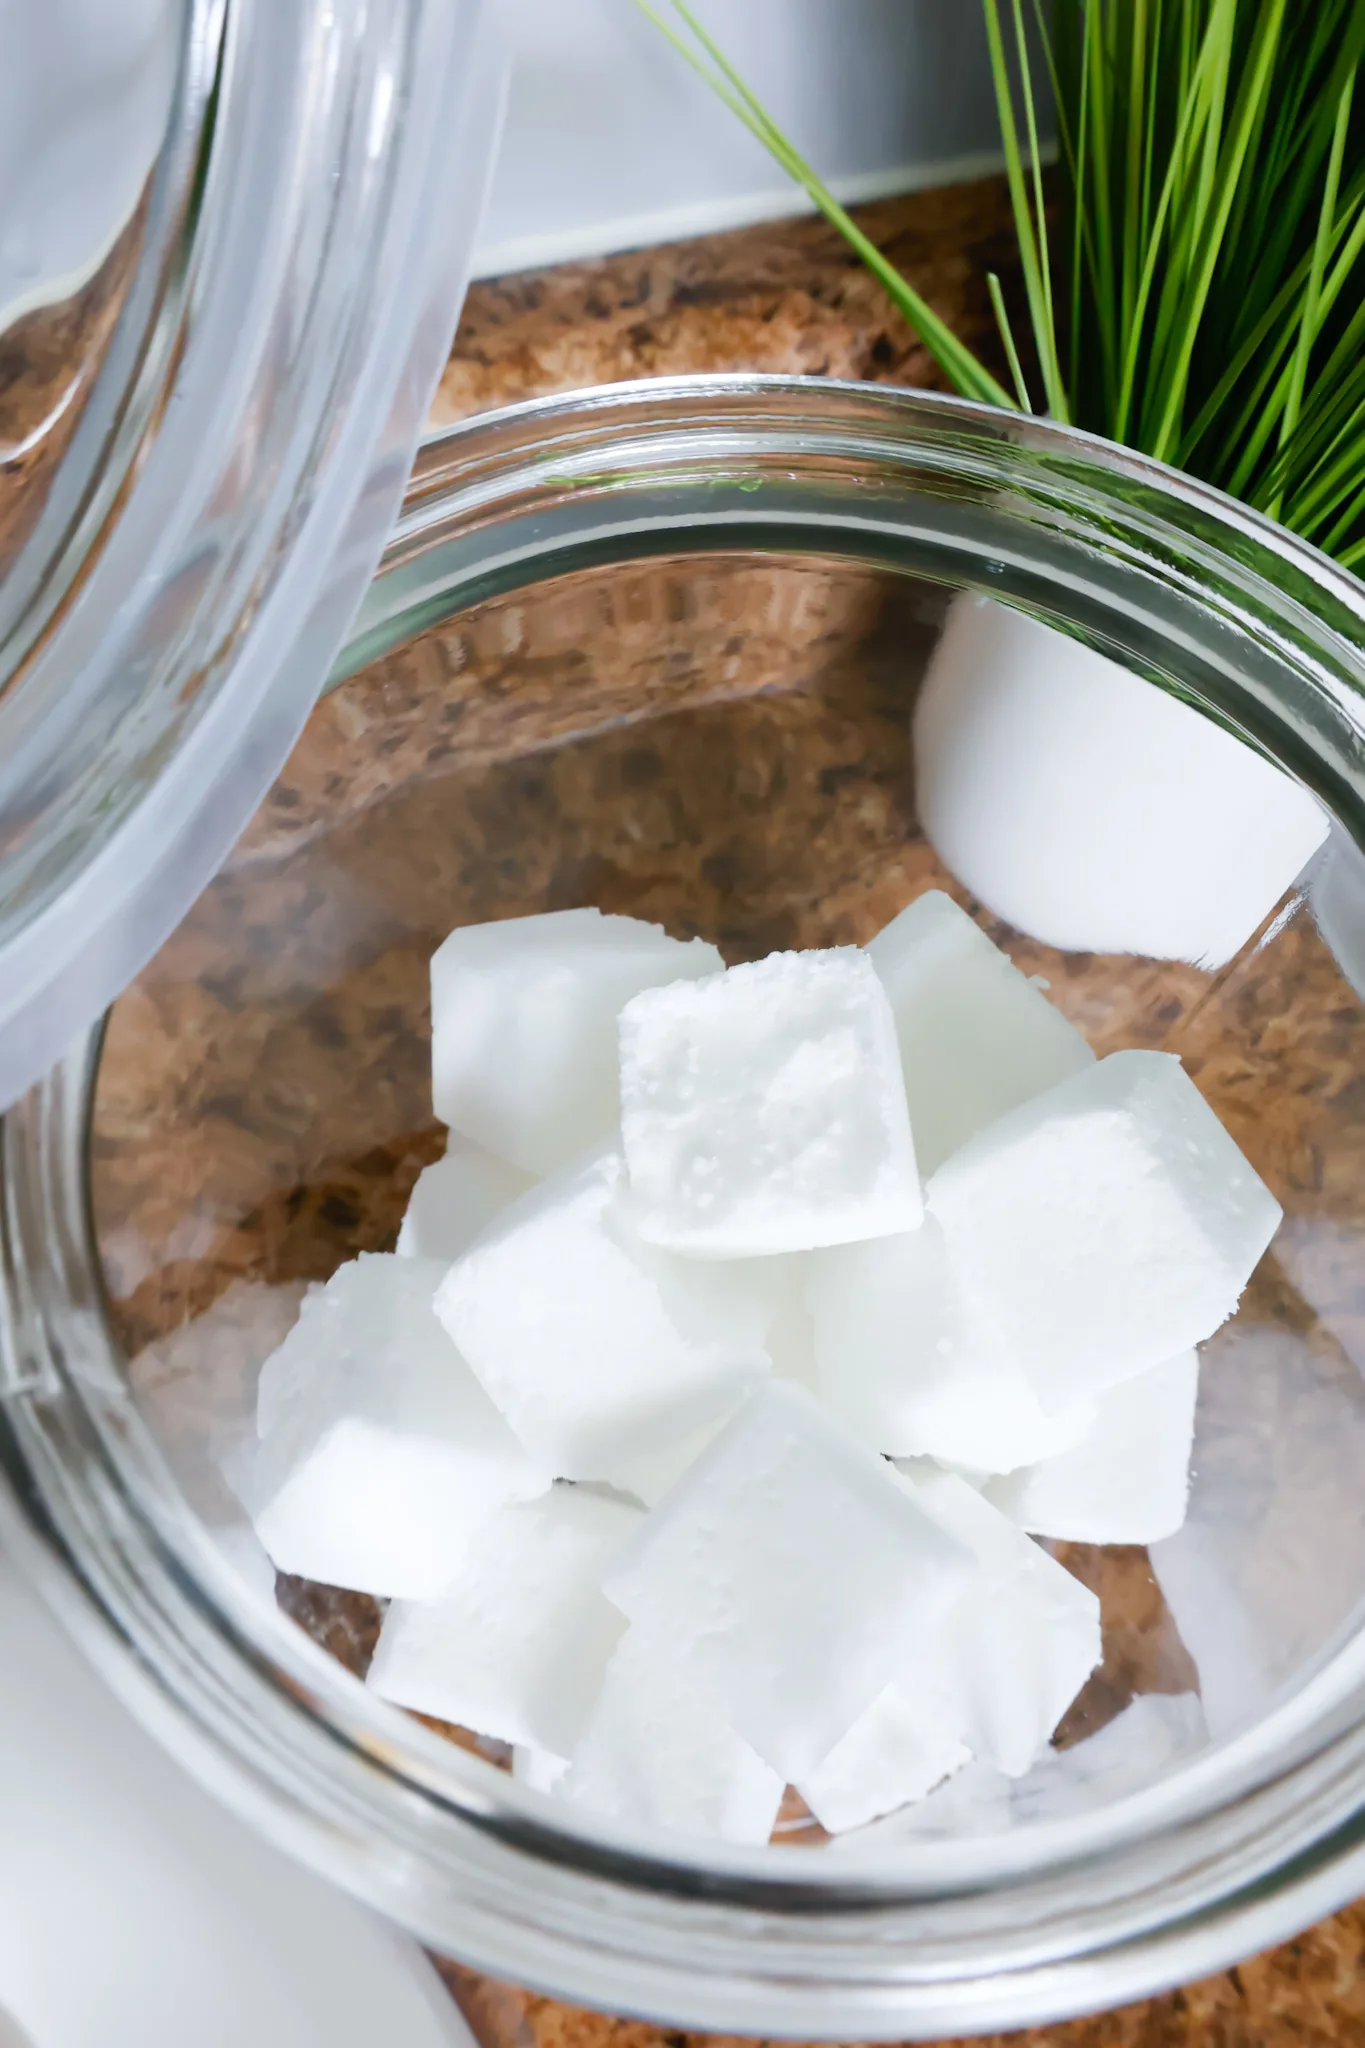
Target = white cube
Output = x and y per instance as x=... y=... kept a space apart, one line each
x=788 y=1575
x=600 y=1351
x=763 y=1110
x=384 y=1456
x=656 y=1753
x=1013 y=1650
x=1105 y=1226
x=517 y=1646
x=1128 y=1480
x=896 y=1752
x=523 y=1026
x=976 y=1036
x=910 y=1367
x=456 y=1198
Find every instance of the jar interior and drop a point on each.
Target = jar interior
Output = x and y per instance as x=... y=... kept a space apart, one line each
x=719 y=742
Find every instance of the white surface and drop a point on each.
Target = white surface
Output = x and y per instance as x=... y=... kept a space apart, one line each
x=1128 y=1480
x=598 y=1354
x=85 y=93
x=541 y=1769
x=612 y=143
x=523 y=1026
x=791 y=1333
x=1105 y=1226
x=1007 y=1658
x=976 y=1036
x=135 y=1913
x=893 y=1754
x=913 y=1370
x=381 y=1454
x=518 y=1646
x=658 y=1754
x=788 y=1576
x=1091 y=809
x=763 y=1110
x=455 y=1198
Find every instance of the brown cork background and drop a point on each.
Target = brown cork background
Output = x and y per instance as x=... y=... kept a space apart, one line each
x=263 y=1106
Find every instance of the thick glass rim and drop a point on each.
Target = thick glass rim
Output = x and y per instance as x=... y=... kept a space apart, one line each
x=1247 y=1843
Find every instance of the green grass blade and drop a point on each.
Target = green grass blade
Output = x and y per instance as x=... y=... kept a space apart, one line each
x=1309 y=318
x=1030 y=234
x=1002 y=321
x=962 y=368
x=1251 y=104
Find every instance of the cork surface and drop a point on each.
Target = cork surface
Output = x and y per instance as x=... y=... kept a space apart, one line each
x=719 y=746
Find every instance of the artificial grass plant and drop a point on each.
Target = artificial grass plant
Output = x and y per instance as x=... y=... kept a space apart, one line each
x=1196 y=290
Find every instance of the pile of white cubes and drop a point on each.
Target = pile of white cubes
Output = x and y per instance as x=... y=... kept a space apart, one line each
x=752 y=1328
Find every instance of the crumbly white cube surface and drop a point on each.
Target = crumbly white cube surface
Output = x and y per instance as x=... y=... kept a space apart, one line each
x=1128 y=1480
x=597 y=1349
x=763 y=1109
x=1106 y=1225
x=523 y=1026
x=384 y=1455
x=1010 y=1654
x=913 y=1371
x=896 y=1752
x=517 y=1647
x=455 y=1198
x=788 y=1576
x=656 y=1752
x=976 y=1036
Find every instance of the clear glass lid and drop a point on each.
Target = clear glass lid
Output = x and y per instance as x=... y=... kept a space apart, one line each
x=233 y=243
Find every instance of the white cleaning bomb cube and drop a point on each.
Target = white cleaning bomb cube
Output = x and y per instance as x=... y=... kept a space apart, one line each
x=763 y=1109
x=1013 y=1650
x=656 y=1752
x=517 y=1646
x=913 y=1371
x=1128 y=1480
x=895 y=1752
x=788 y=1576
x=1105 y=1226
x=976 y=1036
x=456 y=1198
x=599 y=1350
x=383 y=1456
x=523 y=1026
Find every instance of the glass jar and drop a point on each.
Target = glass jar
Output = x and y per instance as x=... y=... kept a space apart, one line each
x=656 y=648
x=234 y=236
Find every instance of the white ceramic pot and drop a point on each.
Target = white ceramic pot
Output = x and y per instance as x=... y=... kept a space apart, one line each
x=1091 y=811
